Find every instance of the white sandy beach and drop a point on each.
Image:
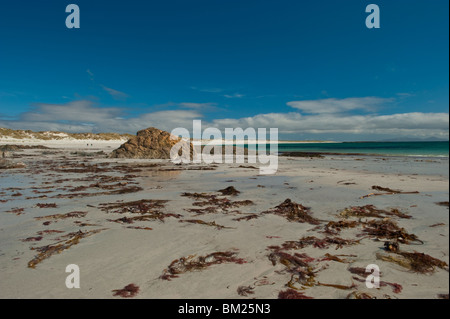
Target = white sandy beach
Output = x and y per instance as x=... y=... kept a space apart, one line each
x=117 y=256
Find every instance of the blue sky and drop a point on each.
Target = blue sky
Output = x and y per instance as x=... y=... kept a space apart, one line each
x=310 y=68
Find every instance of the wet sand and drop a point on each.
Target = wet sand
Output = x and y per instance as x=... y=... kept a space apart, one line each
x=132 y=221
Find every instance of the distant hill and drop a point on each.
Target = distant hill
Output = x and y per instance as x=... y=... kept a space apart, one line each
x=52 y=135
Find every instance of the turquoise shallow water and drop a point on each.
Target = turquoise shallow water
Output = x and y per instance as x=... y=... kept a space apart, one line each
x=425 y=149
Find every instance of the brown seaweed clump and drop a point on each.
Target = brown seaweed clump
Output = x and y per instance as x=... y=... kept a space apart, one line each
x=389 y=229
x=335 y=227
x=322 y=243
x=445 y=204
x=62 y=216
x=230 y=190
x=298 y=265
x=213 y=204
x=371 y=211
x=128 y=291
x=193 y=263
x=294 y=212
x=360 y=295
x=143 y=206
x=49 y=205
x=247 y=217
x=416 y=262
x=292 y=294
x=245 y=290
x=149 y=217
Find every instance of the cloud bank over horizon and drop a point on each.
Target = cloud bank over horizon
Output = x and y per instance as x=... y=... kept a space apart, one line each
x=330 y=118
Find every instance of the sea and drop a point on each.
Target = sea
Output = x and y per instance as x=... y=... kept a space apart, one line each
x=416 y=149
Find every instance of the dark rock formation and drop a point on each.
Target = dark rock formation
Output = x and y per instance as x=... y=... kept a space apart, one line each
x=150 y=143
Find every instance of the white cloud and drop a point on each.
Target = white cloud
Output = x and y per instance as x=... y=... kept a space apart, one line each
x=196 y=106
x=86 y=116
x=234 y=96
x=406 y=124
x=334 y=105
x=114 y=93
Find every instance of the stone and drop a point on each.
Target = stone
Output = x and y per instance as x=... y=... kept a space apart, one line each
x=150 y=143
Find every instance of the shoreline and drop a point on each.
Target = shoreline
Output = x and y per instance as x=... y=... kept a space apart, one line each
x=305 y=154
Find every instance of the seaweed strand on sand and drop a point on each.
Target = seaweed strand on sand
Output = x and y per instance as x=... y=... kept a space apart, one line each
x=415 y=261
x=49 y=250
x=193 y=263
x=128 y=291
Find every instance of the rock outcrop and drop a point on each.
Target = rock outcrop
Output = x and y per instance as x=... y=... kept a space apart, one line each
x=150 y=143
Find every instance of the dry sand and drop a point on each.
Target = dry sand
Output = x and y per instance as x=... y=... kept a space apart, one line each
x=118 y=256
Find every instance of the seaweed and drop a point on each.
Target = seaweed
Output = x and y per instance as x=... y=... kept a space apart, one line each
x=128 y=291
x=358 y=271
x=445 y=204
x=81 y=224
x=321 y=243
x=193 y=263
x=201 y=222
x=436 y=225
x=329 y=257
x=17 y=211
x=396 y=288
x=333 y=227
x=245 y=290
x=213 y=203
x=342 y=287
x=49 y=205
x=155 y=216
x=359 y=295
x=292 y=294
x=247 y=217
x=387 y=191
x=416 y=262
x=143 y=206
x=198 y=195
x=49 y=250
x=138 y=227
x=124 y=190
x=50 y=231
x=293 y=212
x=389 y=229
x=62 y=216
x=38 y=238
x=298 y=265
x=230 y=190
x=371 y=211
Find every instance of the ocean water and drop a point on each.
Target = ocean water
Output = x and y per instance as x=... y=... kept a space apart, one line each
x=419 y=149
